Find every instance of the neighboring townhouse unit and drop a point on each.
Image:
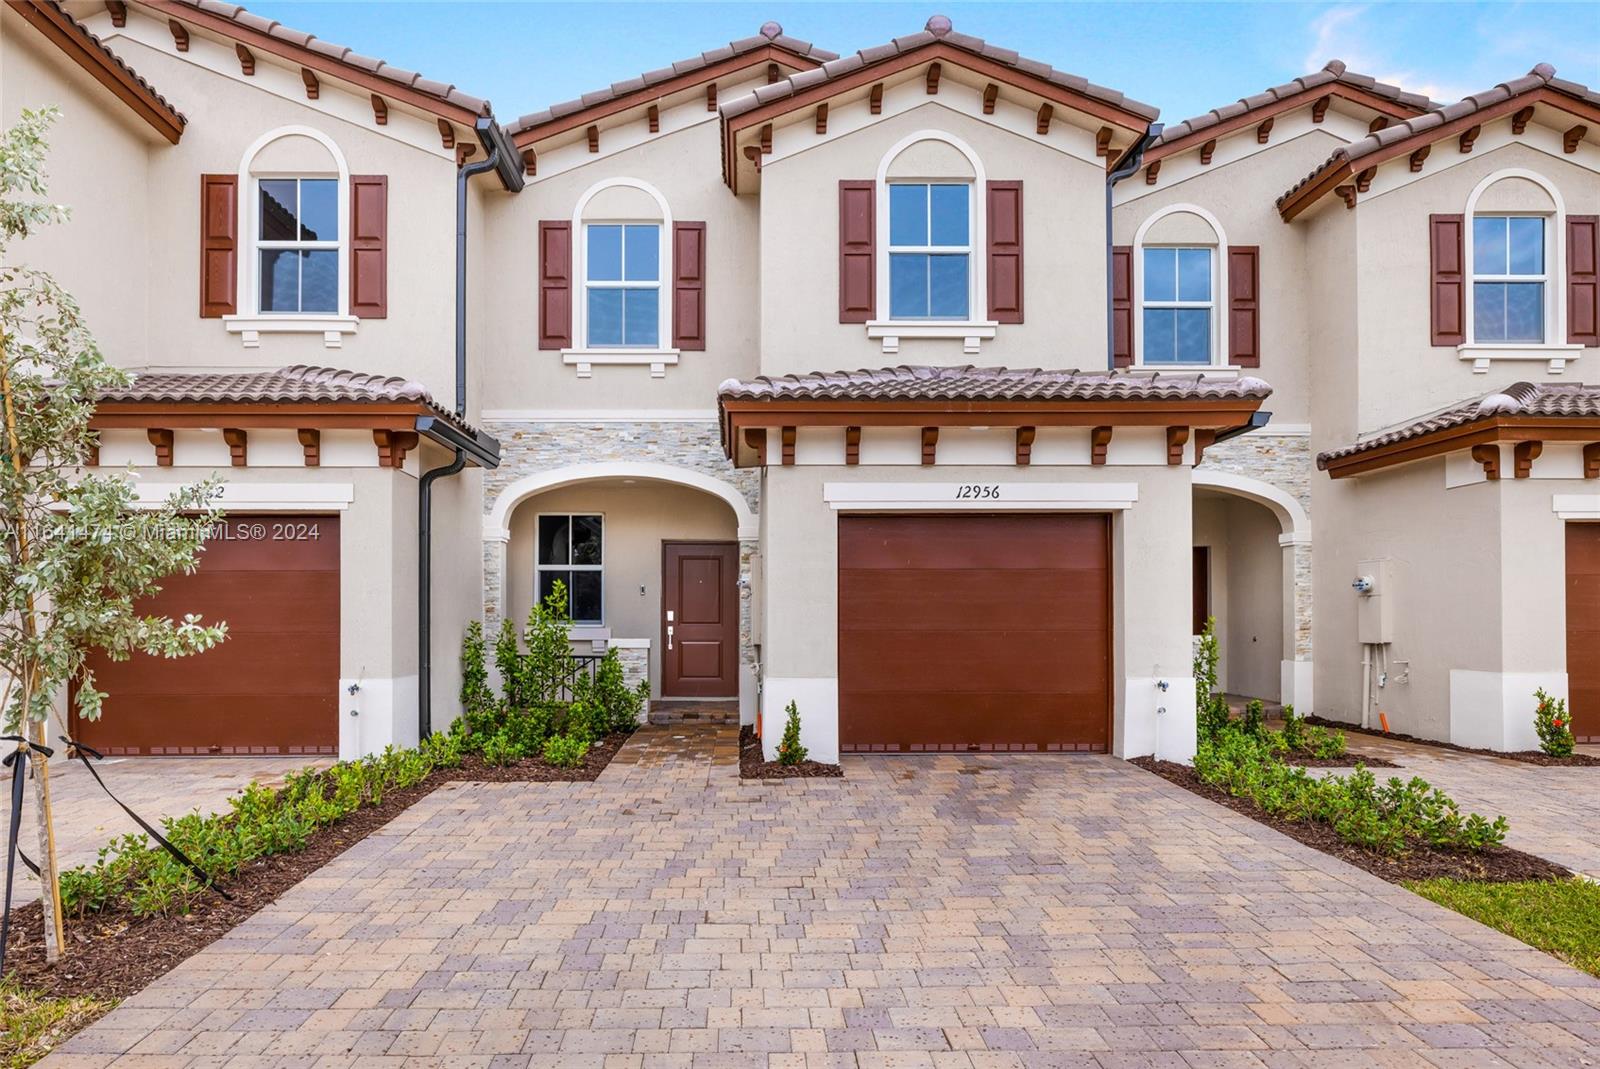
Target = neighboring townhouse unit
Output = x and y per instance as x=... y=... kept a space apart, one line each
x=923 y=387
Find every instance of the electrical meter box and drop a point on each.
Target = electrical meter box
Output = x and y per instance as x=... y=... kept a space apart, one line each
x=1374 y=586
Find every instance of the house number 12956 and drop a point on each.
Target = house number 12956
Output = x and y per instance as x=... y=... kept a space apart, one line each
x=977 y=492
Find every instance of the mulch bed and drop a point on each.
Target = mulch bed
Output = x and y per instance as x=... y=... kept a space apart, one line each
x=751 y=766
x=1349 y=760
x=1527 y=757
x=1498 y=864
x=112 y=953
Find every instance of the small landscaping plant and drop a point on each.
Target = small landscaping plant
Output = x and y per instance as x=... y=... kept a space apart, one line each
x=1255 y=718
x=476 y=694
x=500 y=750
x=566 y=751
x=790 y=752
x=1550 y=720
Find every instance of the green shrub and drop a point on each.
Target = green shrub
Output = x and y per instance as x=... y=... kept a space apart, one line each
x=584 y=720
x=508 y=663
x=545 y=664
x=618 y=705
x=476 y=694
x=1255 y=718
x=501 y=750
x=1550 y=720
x=1320 y=742
x=790 y=752
x=1294 y=727
x=565 y=751
x=1207 y=655
x=1211 y=717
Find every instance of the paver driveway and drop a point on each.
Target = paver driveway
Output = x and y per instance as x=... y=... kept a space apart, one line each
x=962 y=912
x=1549 y=808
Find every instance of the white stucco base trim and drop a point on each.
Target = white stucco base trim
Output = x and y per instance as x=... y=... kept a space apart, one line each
x=817 y=700
x=386 y=712
x=1294 y=681
x=1494 y=710
x=982 y=497
x=749 y=684
x=1157 y=721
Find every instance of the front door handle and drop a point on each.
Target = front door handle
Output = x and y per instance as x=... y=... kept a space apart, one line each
x=669 y=636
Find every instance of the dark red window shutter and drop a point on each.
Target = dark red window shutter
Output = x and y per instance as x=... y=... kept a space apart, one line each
x=555 y=285
x=689 y=286
x=857 y=237
x=1448 y=284
x=1244 y=305
x=1583 y=281
x=1122 y=305
x=369 y=254
x=1005 y=251
x=219 y=245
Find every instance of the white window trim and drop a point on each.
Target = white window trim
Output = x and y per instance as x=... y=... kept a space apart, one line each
x=601 y=567
x=972 y=331
x=1219 y=289
x=582 y=356
x=1554 y=351
x=254 y=323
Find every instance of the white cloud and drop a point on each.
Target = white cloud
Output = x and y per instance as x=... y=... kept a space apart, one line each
x=1342 y=32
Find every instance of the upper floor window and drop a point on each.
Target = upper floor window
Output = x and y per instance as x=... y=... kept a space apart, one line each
x=1509 y=274
x=622 y=280
x=1179 y=305
x=297 y=245
x=930 y=250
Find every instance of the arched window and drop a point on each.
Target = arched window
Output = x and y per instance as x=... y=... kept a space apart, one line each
x=1514 y=246
x=932 y=226
x=294 y=226
x=623 y=231
x=1180 y=279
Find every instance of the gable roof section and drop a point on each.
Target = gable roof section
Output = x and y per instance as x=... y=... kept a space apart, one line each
x=102 y=64
x=938 y=41
x=1538 y=86
x=770 y=45
x=336 y=61
x=1334 y=79
x=1523 y=411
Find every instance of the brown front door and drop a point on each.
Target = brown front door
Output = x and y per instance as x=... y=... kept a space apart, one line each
x=272 y=686
x=699 y=619
x=974 y=632
x=1583 y=629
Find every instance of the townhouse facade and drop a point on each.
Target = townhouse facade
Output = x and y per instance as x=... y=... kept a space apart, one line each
x=930 y=389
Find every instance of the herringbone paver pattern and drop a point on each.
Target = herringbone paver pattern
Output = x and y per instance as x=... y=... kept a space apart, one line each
x=926 y=913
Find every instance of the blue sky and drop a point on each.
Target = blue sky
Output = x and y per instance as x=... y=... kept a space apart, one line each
x=1185 y=58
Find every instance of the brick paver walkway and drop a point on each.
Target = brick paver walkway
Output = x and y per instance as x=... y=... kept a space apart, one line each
x=959 y=912
x=1550 y=809
x=155 y=787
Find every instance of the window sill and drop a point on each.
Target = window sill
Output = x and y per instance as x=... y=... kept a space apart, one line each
x=1220 y=371
x=1555 y=356
x=250 y=328
x=971 y=332
x=585 y=359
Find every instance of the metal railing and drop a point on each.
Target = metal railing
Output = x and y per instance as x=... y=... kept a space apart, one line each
x=577 y=666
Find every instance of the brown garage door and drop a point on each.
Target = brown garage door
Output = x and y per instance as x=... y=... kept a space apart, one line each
x=1583 y=629
x=272 y=686
x=974 y=632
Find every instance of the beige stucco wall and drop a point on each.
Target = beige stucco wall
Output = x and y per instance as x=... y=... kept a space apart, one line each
x=684 y=166
x=1401 y=373
x=1064 y=246
x=1240 y=196
x=1255 y=601
x=638 y=518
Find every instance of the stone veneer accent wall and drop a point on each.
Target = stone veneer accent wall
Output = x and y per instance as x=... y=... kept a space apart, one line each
x=1285 y=461
x=527 y=448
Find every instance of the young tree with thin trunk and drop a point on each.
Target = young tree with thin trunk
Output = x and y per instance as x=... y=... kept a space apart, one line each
x=77 y=548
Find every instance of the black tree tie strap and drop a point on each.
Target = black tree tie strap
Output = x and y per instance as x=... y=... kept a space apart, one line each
x=17 y=761
x=83 y=753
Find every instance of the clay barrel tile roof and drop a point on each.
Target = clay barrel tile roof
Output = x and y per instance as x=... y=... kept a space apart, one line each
x=1334 y=71
x=938 y=30
x=971 y=383
x=771 y=34
x=1542 y=76
x=298 y=384
x=115 y=60
x=1572 y=400
x=341 y=54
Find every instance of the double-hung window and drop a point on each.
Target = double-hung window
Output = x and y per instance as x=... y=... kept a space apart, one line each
x=1179 y=306
x=930 y=250
x=1508 y=278
x=297 y=241
x=571 y=550
x=622 y=280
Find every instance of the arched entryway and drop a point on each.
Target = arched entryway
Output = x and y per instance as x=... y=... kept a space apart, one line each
x=658 y=561
x=1252 y=572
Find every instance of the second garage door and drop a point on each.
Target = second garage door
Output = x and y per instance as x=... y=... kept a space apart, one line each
x=272 y=686
x=974 y=632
